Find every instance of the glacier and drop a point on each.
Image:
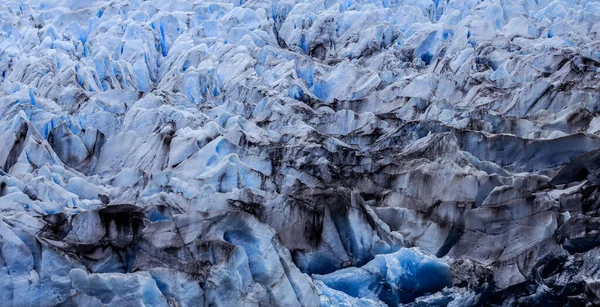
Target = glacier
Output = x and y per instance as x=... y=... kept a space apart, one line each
x=299 y=153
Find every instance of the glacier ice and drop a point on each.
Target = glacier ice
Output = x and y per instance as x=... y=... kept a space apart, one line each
x=294 y=153
x=393 y=278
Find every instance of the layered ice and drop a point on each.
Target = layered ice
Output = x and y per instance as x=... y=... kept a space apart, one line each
x=293 y=153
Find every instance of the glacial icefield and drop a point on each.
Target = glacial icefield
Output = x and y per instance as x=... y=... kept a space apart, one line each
x=299 y=153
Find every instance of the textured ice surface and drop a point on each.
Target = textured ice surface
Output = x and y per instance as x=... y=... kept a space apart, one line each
x=284 y=153
x=394 y=278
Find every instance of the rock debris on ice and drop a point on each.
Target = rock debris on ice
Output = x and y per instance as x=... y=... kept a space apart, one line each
x=299 y=153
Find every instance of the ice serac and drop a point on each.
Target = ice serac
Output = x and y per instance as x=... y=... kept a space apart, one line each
x=294 y=153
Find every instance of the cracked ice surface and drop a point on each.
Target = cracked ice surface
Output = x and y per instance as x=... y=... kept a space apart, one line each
x=286 y=153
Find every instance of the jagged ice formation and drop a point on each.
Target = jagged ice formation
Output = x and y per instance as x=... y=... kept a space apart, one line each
x=291 y=153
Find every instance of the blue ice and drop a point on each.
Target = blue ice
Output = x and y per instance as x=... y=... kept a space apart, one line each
x=395 y=278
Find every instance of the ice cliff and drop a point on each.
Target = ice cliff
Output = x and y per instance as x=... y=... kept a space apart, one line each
x=299 y=153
